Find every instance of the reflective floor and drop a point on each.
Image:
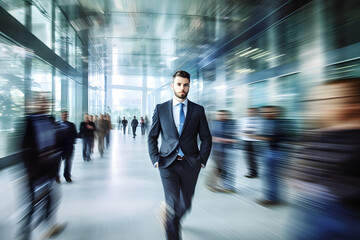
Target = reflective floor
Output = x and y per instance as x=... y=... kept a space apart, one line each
x=115 y=197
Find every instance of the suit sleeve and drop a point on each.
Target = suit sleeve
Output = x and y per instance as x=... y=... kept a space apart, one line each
x=153 y=137
x=74 y=133
x=205 y=138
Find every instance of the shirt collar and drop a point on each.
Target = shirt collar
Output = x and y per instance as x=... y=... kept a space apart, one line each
x=176 y=102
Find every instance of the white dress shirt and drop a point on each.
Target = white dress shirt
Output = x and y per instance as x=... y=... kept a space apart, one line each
x=250 y=125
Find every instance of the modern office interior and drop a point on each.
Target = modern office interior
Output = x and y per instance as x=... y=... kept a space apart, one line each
x=118 y=57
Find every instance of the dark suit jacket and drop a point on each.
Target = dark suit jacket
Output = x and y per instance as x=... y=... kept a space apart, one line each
x=195 y=124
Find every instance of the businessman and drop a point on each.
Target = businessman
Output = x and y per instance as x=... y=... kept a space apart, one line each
x=179 y=159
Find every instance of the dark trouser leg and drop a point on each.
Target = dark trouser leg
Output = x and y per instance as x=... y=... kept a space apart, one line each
x=84 y=149
x=134 y=131
x=189 y=176
x=124 y=129
x=171 y=184
x=179 y=181
x=87 y=142
x=26 y=204
x=68 y=163
x=250 y=157
x=107 y=140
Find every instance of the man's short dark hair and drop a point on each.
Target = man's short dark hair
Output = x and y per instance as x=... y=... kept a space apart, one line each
x=224 y=112
x=354 y=87
x=182 y=74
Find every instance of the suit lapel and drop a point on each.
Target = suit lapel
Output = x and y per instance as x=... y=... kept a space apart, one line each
x=170 y=109
x=188 y=115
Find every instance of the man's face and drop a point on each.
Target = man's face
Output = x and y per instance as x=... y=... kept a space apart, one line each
x=269 y=113
x=221 y=116
x=64 y=116
x=331 y=104
x=251 y=112
x=180 y=87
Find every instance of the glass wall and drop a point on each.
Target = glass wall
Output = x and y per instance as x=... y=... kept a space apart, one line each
x=279 y=65
x=26 y=73
x=126 y=103
x=12 y=95
x=96 y=92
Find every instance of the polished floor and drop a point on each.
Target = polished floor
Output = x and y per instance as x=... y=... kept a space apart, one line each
x=114 y=197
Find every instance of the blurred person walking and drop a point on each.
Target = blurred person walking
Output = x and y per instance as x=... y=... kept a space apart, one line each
x=124 y=123
x=101 y=128
x=87 y=129
x=108 y=128
x=146 y=122
x=250 y=125
x=119 y=123
x=142 y=125
x=134 y=124
x=179 y=159
x=272 y=134
x=222 y=177
x=70 y=135
x=326 y=170
x=43 y=141
x=93 y=120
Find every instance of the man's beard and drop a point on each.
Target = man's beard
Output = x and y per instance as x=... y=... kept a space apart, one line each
x=179 y=96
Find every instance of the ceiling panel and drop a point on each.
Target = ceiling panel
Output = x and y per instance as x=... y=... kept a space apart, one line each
x=136 y=35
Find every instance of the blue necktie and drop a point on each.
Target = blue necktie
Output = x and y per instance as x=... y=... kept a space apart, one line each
x=181 y=124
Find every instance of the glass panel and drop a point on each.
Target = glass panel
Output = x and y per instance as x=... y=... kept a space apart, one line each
x=15 y=8
x=57 y=93
x=12 y=96
x=126 y=103
x=41 y=74
x=289 y=90
x=72 y=47
x=128 y=80
x=151 y=82
x=61 y=32
x=79 y=54
x=41 y=21
x=258 y=94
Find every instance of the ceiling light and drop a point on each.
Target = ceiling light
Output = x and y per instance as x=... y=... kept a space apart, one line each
x=248 y=52
x=245 y=70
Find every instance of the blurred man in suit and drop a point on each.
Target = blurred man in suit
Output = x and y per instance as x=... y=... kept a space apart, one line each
x=70 y=134
x=179 y=159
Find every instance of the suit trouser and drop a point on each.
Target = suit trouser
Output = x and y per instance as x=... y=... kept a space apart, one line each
x=251 y=157
x=134 y=131
x=107 y=138
x=179 y=181
x=67 y=157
